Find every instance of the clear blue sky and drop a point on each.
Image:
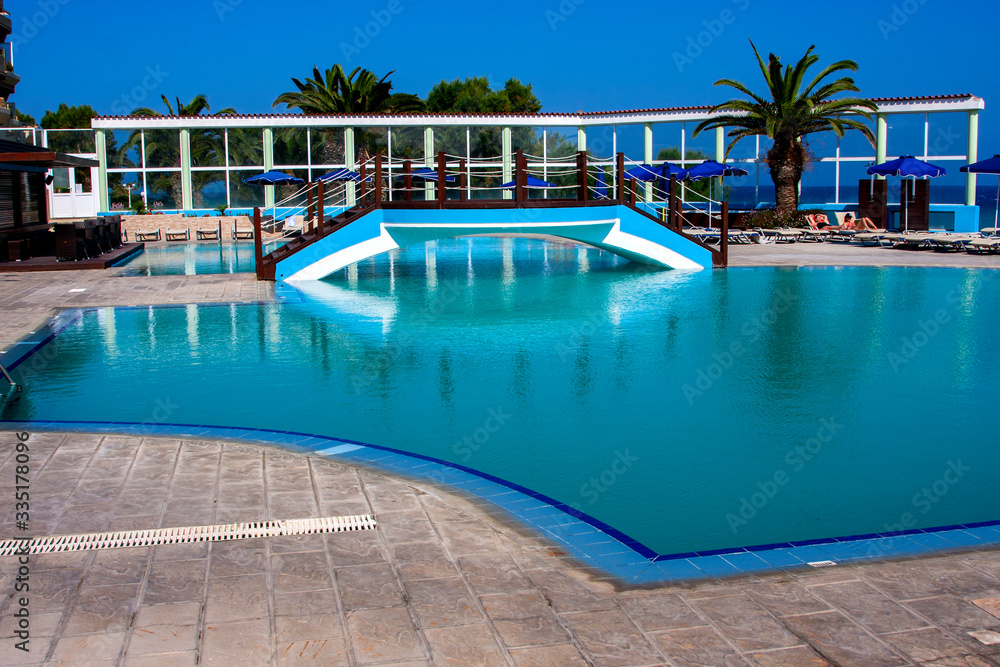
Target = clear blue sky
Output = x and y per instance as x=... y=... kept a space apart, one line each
x=578 y=54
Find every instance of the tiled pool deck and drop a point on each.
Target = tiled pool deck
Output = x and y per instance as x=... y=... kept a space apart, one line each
x=620 y=611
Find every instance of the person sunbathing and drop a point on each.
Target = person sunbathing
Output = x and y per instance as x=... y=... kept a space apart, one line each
x=864 y=224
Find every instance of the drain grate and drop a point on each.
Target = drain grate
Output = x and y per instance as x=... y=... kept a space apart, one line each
x=821 y=563
x=228 y=531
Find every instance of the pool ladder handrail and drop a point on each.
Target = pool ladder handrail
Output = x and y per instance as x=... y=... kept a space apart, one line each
x=15 y=389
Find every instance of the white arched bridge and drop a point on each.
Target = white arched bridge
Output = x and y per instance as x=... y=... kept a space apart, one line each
x=613 y=218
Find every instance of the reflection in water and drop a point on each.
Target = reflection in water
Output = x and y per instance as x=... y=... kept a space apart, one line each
x=709 y=380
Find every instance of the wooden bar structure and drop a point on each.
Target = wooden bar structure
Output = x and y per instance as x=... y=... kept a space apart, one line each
x=320 y=207
x=378 y=178
x=463 y=183
x=620 y=178
x=723 y=238
x=442 y=174
x=407 y=181
x=581 y=176
x=873 y=201
x=258 y=244
x=520 y=177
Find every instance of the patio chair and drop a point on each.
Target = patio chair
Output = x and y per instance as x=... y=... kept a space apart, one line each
x=985 y=245
x=179 y=234
x=149 y=236
x=244 y=234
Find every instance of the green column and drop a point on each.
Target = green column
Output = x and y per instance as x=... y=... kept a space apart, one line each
x=429 y=159
x=881 y=129
x=508 y=171
x=581 y=138
x=268 y=165
x=647 y=157
x=973 y=156
x=100 y=143
x=350 y=162
x=720 y=144
x=186 y=199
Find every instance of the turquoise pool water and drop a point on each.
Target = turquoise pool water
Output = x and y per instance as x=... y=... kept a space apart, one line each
x=691 y=411
x=194 y=259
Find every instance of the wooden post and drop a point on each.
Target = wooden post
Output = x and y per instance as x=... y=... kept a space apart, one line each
x=724 y=238
x=631 y=192
x=320 y=187
x=407 y=181
x=378 y=179
x=310 y=210
x=442 y=186
x=258 y=244
x=462 y=182
x=620 y=178
x=581 y=176
x=671 y=196
x=519 y=177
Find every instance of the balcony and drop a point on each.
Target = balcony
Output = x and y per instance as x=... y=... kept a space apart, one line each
x=8 y=81
x=5 y=25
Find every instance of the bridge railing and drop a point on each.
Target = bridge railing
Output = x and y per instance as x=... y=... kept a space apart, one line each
x=522 y=181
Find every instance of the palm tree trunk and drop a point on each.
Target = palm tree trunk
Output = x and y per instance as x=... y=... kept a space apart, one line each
x=177 y=188
x=786 y=159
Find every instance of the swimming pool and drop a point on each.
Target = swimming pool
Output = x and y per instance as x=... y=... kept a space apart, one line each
x=691 y=411
x=194 y=259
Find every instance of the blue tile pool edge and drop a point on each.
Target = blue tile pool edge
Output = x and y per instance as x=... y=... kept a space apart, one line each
x=587 y=539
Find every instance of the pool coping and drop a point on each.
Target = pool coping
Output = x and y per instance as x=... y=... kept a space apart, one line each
x=587 y=539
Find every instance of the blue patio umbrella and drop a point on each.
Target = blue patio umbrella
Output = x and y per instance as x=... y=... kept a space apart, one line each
x=343 y=175
x=669 y=169
x=713 y=169
x=429 y=174
x=273 y=178
x=644 y=172
x=907 y=165
x=988 y=166
x=530 y=182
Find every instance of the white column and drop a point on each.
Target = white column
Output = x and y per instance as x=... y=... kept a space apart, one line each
x=972 y=153
x=349 y=162
x=508 y=171
x=429 y=159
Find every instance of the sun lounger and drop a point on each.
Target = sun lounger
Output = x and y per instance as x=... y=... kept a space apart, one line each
x=950 y=242
x=244 y=234
x=870 y=237
x=179 y=234
x=982 y=246
x=209 y=233
x=907 y=240
x=781 y=235
x=149 y=236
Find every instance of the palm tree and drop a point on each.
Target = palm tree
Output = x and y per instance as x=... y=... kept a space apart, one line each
x=789 y=115
x=163 y=146
x=336 y=92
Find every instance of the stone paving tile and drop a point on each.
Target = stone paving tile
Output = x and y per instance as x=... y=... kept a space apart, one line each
x=188 y=659
x=300 y=572
x=152 y=639
x=546 y=656
x=237 y=643
x=611 y=639
x=365 y=586
x=93 y=649
x=868 y=607
x=836 y=637
x=524 y=619
x=799 y=656
x=689 y=647
x=465 y=645
x=660 y=610
x=381 y=635
x=747 y=623
x=440 y=602
x=493 y=573
x=237 y=598
x=326 y=652
x=926 y=644
x=102 y=609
